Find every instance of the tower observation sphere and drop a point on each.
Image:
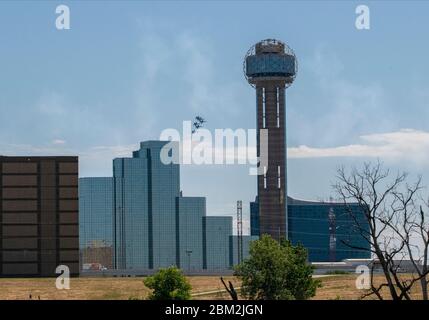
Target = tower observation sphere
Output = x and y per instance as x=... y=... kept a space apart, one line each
x=270 y=59
x=270 y=66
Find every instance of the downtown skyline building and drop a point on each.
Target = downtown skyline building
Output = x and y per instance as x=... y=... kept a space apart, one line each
x=150 y=223
x=96 y=224
x=38 y=216
x=144 y=222
x=326 y=229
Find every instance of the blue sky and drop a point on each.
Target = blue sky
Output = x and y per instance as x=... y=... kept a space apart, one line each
x=127 y=70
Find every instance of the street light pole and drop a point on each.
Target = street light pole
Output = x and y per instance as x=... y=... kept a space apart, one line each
x=189 y=252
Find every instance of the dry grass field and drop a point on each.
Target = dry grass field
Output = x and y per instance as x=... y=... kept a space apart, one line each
x=333 y=287
x=92 y=288
x=344 y=288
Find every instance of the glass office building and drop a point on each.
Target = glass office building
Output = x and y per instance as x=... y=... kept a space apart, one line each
x=325 y=229
x=254 y=217
x=145 y=209
x=217 y=233
x=189 y=246
x=96 y=222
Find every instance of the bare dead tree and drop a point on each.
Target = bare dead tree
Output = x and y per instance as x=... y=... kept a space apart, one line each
x=422 y=227
x=231 y=290
x=412 y=229
x=390 y=224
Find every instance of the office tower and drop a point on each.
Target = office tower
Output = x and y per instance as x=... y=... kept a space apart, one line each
x=310 y=224
x=254 y=217
x=96 y=222
x=189 y=232
x=38 y=216
x=145 y=192
x=270 y=67
x=217 y=242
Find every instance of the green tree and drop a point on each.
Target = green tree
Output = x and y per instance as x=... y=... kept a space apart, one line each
x=276 y=271
x=168 y=284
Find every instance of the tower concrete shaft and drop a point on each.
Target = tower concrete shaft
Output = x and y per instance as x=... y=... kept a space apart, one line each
x=272 y=184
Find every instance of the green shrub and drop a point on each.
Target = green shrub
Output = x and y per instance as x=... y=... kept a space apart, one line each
x=168 y=284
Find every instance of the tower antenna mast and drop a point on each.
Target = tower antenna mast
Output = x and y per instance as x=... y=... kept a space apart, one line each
x=239 y=231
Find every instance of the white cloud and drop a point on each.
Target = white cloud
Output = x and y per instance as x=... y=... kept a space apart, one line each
x=405 y=144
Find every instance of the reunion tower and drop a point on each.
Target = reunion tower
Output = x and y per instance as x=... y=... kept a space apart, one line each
x=270 y=66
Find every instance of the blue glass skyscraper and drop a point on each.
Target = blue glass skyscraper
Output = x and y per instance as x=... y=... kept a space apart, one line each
x=217 y=233
x=254 y=217
x=325 y=229
x=189 y=246
x=95 y=211
x=96 y=221
x=145 y=209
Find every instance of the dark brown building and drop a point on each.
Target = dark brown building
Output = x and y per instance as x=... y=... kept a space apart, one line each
x=38 y=216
